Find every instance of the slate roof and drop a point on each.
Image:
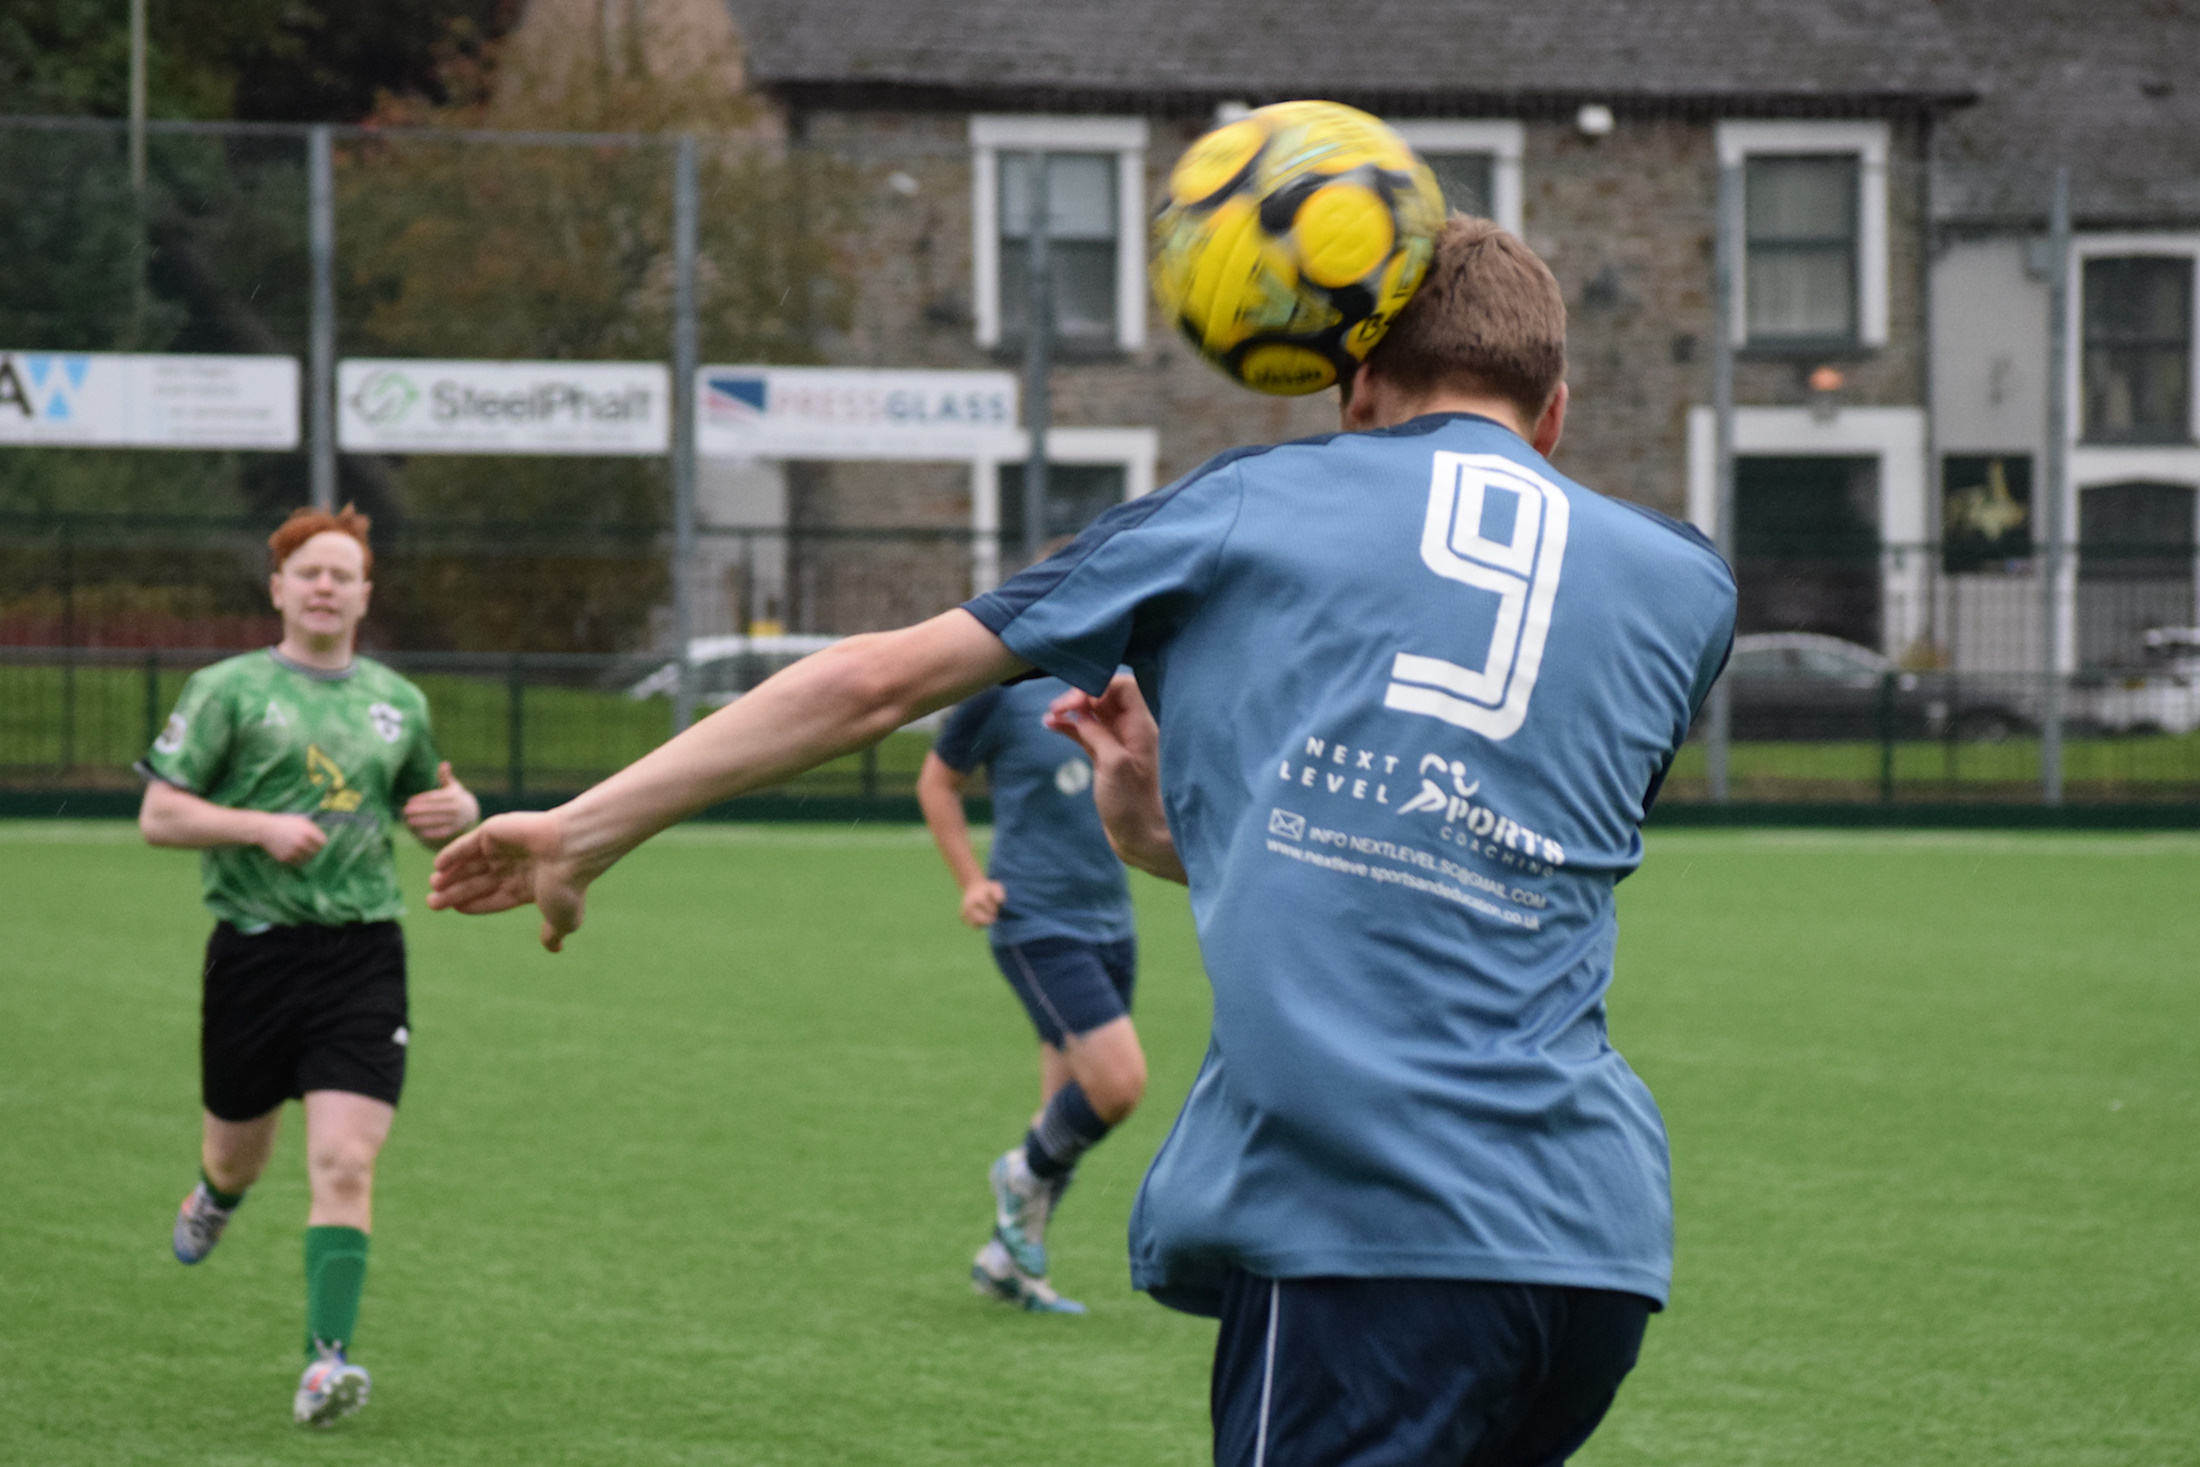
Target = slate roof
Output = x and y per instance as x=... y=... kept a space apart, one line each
x=2109 y=88
x=1809 y=56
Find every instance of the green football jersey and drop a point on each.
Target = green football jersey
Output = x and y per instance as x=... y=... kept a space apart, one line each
x=260 y=732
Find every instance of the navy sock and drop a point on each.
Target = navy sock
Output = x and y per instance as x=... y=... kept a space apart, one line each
x=1069 y=1129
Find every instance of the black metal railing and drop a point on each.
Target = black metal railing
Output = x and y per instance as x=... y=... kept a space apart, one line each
x=520 y=728
x=528 y=729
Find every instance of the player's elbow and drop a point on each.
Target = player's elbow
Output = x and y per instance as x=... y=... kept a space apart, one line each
x=155 y=816
x=872 y=688
x=936 y=781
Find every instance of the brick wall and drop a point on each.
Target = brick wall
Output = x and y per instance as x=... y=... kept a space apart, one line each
x=1624 y=220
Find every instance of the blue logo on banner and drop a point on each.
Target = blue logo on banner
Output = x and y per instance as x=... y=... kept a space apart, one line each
x=739 y=398
x=44 y=380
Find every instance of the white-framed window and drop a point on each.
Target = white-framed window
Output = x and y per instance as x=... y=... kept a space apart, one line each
x=2137 y=320
x=1088 y=469
x=1477 y=164
x=1812 y=270
x=1096 y=210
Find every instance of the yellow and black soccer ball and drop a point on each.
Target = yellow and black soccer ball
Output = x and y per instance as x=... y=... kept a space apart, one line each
x=1290 y=240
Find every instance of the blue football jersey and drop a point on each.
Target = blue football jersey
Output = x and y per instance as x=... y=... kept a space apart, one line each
x=1416 y=692
x=1049 y=851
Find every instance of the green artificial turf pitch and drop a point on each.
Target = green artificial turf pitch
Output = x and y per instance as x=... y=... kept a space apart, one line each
x=702 y=1190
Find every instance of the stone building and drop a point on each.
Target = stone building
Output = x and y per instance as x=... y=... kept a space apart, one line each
x=1594 y=128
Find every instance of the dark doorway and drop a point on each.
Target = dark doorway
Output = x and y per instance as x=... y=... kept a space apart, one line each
x=1807 y=542
x=2135 y=554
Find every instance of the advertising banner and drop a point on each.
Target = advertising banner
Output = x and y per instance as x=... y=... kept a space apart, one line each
x=134 y=400
x=836 y=412
x=591 y=408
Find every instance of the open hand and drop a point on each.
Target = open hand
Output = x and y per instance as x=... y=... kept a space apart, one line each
x=509 y=861
x=292 y=839
x=981 y=903
x=1117 y=731
x=438 y=814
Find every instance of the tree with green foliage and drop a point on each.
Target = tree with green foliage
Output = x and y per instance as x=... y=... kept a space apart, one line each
x=528 y=251
x=445 y=249
x=254 y=60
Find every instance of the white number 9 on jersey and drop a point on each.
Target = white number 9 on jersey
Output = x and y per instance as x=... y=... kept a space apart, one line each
x=1496 y=526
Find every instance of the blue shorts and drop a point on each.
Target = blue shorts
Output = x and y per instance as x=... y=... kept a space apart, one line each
x=1069 y=986
x=1338 y=1372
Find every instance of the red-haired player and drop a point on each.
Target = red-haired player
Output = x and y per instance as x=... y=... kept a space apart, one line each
x=288 y=769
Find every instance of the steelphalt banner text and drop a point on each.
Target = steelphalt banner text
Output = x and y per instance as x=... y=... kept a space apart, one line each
x=586 y=408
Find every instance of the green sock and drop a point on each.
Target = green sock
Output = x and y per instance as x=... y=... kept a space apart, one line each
x=226 y=1201
x=336 y=1272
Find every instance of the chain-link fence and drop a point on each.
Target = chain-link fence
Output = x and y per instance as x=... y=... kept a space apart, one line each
x=1943 y=426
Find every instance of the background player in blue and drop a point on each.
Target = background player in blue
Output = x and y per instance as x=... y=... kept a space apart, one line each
x=1058 y=913
x=1413 y=693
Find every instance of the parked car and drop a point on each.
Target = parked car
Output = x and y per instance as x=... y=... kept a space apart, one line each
x=726 y=667
x=1804 y=685
x=2163 y=696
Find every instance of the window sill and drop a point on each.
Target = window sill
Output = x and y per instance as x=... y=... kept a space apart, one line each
x=1069 y=353
x=1814 y=348
x=2179 y=442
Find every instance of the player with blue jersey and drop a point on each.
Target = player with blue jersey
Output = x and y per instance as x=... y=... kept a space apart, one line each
x=1412 y=693
x=1055 y=904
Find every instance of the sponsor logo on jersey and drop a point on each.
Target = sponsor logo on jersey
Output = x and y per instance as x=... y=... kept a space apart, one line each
x=171 y=737
x=1457 y=808
x=1073 y=777
x=1286 y=823
x=1364 y=776
x=326 y=777
x=1338 y=769
x=274 y=717
x=388 y=722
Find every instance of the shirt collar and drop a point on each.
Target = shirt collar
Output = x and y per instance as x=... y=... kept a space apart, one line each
x=318 y=674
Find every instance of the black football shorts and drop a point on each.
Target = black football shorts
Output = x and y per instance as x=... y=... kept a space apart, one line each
x=294 y=1009
x=1356 y=1372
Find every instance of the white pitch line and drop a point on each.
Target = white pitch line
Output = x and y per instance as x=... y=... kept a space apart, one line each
x=69 y=833
x=700 y=833
x=856 y=837
x=1980 y=842
x=830 y=837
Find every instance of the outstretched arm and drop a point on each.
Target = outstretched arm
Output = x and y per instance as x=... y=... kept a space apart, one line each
x=851 y=694
x=1118 y=731
x=939 y=795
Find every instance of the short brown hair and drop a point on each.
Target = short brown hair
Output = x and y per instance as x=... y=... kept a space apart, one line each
x=305 y=523
x=1488 y=318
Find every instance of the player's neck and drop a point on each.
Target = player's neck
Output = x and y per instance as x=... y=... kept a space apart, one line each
x=1376 y=403
x=323 y=653
x=1373 y=401
x=1496 y=409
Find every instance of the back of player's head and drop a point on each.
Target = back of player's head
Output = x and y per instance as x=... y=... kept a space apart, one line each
x=304 y=523
x=1488 y=319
